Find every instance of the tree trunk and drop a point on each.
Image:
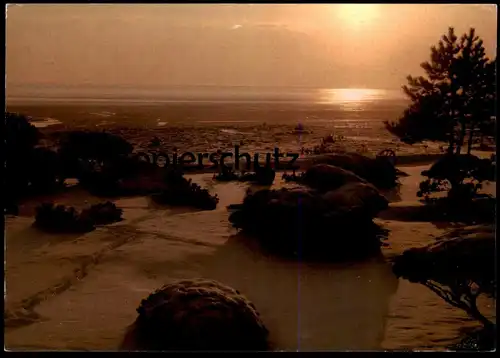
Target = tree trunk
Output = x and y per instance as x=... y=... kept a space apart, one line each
x=450 y=148
x=474 y=313
x=471 y=138
x=481 y=140
x=451 y=142
x=463 y=129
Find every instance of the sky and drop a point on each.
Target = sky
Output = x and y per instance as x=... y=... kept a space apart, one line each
x=320 y=45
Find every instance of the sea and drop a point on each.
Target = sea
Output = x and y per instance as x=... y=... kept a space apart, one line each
x=204 y=104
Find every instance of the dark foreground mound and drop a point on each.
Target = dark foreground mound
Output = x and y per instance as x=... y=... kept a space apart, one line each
x=301 y=222
x=467 y=252
x=456 y=168
x=180 y=191
x=196 y=315
x=324 y=177
x=377 y=171
x=61 y=219
x=458 y=268
x=103 y=213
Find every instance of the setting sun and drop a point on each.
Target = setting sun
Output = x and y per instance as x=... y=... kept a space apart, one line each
x=357 y=15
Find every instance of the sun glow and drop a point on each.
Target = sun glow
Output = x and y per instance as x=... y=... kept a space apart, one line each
x=350 y=95
x=357 y=16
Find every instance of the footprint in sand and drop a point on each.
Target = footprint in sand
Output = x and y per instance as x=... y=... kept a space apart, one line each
x=21 y=317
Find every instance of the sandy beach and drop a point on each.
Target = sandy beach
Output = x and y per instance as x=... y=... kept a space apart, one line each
x=80 y=292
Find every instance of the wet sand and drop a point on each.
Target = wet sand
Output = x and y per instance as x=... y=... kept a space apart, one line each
x=200 y=128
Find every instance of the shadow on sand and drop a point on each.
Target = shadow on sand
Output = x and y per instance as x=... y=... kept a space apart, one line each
x=393 y=194
x=441 y=215
x=308 y=305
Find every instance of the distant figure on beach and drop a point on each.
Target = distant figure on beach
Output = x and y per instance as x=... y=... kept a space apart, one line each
x=328 y=139
x=155 y=142
x=299 y=129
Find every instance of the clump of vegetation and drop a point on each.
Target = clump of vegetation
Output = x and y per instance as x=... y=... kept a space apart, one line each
x=226 y=174
x=126 y=175
x=461 y=177
x=29 y=170
x=357 y=195
x=196 y=315
x=294 y=177
x=459 y=267
x=97 y=159
x=306 y=223
x=103 y=213
x=180 y=191
x=59 y=218
x=324 y=177
x=379 y=171
x=262 y=175
x=99 y=146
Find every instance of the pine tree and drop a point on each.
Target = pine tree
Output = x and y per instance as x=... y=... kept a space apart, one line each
x=477 y=81
x=456 y=95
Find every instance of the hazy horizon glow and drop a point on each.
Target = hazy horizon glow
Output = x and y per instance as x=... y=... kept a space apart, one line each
x=287 y=45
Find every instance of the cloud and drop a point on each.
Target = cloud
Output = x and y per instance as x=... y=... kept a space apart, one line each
x=235 y=27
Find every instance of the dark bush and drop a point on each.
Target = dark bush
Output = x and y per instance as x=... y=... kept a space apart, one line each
x=377 y=171
x=461 y=177
x=362 y=195
x=61 y=219
x=304 y=223
x=458 y=267
x=94 y=145
x=103 y=213
x=180 y=191
x=29 y=170
x=20 y=135
x=196 y=315
x=101 y=149
x=457 y=168
x=264 y=175
x=324 y=177
x=226 y=174
x=45 y=170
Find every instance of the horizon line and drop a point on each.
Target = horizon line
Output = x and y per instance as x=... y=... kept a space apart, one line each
x=42 y=84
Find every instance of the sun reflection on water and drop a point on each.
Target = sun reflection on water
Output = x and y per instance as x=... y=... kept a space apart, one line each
x=351 y=96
